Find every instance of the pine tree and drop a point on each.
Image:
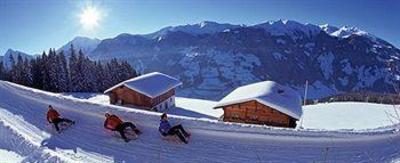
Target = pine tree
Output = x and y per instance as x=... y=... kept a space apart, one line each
x=45 y=72
x=17 y=71
x=12 y=68
x=115 y=70
x=109 y=76
x=52 y=66
x=26 y=73
x=73 y=70
x=87 y=74
x=129 y=72
x=63 y=76
x=12 y=60
x=36 y=71
x=52 y=72
x=3 y=72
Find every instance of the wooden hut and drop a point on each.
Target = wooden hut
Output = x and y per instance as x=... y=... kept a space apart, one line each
x=154 y=91
x=265 y=102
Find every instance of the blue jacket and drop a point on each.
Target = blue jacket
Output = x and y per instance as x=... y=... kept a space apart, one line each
x=164 y=127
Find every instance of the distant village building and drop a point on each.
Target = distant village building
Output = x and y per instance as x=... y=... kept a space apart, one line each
x=154 y=91
x=265 y=102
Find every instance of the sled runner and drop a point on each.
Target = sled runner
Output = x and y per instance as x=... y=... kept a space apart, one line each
x=129 y=133
x=62 y=126
x=173 y=138
x=65 y=125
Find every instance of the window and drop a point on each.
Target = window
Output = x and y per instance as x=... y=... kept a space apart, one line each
x=281 y=91
x=253 y=117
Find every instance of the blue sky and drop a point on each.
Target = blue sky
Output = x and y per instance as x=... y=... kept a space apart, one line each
x=33 y=26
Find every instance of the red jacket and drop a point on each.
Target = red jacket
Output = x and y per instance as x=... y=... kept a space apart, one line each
x=112 y=122
x=52 y=115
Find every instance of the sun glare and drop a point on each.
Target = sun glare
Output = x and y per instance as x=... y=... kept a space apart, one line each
x=90 y=17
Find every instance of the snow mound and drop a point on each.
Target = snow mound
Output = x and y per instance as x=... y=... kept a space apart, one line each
x=151 y=84
x=269 y=93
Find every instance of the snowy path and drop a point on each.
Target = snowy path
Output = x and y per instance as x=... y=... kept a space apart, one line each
x=23 y=130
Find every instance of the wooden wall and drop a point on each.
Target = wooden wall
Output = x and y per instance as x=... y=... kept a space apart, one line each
x=128 y=96
x=155 y=101
x=257 y=113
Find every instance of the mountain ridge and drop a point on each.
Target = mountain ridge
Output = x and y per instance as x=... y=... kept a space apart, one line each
x=214 y=58
x=211 y=64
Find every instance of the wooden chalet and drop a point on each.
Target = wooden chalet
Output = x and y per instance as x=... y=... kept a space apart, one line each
x=154 y=91
x=265 y=102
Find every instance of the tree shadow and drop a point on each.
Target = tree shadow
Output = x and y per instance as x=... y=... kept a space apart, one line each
x=189 y=113
x=81 y=95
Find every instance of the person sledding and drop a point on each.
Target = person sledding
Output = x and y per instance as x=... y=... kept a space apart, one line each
x=54 y=117
x=166 y=129
x=114 y=123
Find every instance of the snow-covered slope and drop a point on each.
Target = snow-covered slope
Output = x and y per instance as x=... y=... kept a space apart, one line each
x=87 y=45
x=24 y=131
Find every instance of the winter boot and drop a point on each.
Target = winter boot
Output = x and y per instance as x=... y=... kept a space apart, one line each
x=187 y=135
x=137 y=131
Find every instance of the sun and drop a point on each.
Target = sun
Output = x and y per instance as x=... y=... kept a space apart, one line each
x=89 y=17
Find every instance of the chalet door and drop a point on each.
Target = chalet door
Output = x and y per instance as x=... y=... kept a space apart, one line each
x=292 y=122
x=119 y=102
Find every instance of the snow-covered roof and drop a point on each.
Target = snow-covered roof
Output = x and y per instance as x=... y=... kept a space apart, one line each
x=269 y=93
x=151 y=84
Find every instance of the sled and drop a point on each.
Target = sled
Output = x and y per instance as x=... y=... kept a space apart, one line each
x=173 y=139
x=62 y=126
x=129 y=133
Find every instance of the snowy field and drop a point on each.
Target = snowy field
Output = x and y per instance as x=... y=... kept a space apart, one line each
x=9 y=156
x=25 y=133
x=348 y=115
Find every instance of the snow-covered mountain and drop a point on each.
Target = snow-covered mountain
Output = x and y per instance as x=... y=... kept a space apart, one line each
x=204 y=27
x=14 y=53
x=87 y=45
x=212 y=59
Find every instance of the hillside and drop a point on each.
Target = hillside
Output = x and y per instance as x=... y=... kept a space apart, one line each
x=14 y=53
x=25 y=133
x=87 y=45
x=212 y=59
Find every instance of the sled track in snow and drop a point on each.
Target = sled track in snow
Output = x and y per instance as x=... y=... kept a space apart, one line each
x=22 y=119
